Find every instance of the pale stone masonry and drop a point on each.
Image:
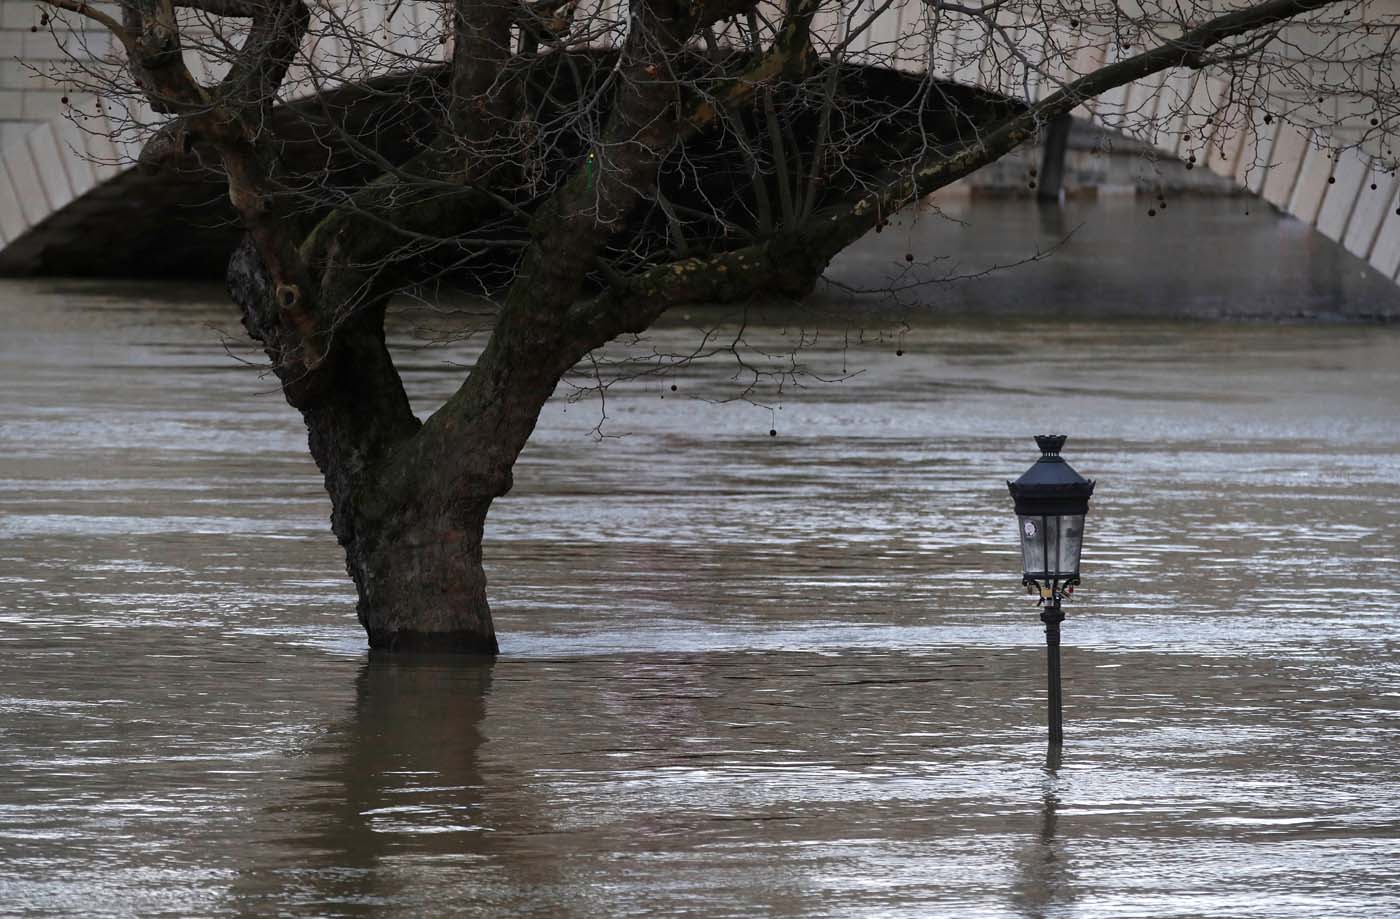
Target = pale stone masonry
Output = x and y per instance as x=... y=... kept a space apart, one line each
x=55 y=178
x=28 y=97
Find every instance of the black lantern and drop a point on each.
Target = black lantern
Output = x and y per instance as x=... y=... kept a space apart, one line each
x=1051 y=503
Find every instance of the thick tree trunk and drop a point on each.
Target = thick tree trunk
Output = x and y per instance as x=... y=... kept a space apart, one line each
x=412 y=536
x=419 y=576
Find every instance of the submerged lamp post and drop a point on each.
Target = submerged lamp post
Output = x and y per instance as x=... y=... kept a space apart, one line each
x=1051 y=502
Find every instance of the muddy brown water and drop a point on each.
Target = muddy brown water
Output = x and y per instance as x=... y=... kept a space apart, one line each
x=742 y=675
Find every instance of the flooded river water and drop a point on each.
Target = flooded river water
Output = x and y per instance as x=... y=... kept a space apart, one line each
x=742 y=675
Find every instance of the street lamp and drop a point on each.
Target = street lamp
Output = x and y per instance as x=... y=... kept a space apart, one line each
x=1051 y=502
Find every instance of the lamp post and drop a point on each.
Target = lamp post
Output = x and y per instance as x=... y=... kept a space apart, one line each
x=1051 y=503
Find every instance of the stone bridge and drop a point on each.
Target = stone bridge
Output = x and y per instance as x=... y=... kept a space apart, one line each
x=71 y=203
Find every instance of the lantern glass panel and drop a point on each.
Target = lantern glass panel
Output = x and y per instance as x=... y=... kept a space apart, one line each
x=1071 y=534
x=1033 y=544
x=1050 y=545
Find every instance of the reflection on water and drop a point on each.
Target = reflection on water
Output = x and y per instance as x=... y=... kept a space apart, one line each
x=1044 y=883
x=393 y=806
x=1046 y=886
x=743 y=675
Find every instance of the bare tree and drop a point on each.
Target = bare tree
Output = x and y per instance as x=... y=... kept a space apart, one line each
x=586 y=165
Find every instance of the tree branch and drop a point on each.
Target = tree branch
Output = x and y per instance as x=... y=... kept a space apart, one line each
x=266 y=54
x=789 y=263
x=831 y=230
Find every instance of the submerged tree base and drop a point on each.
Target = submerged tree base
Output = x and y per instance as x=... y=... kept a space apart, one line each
x=456 y=642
